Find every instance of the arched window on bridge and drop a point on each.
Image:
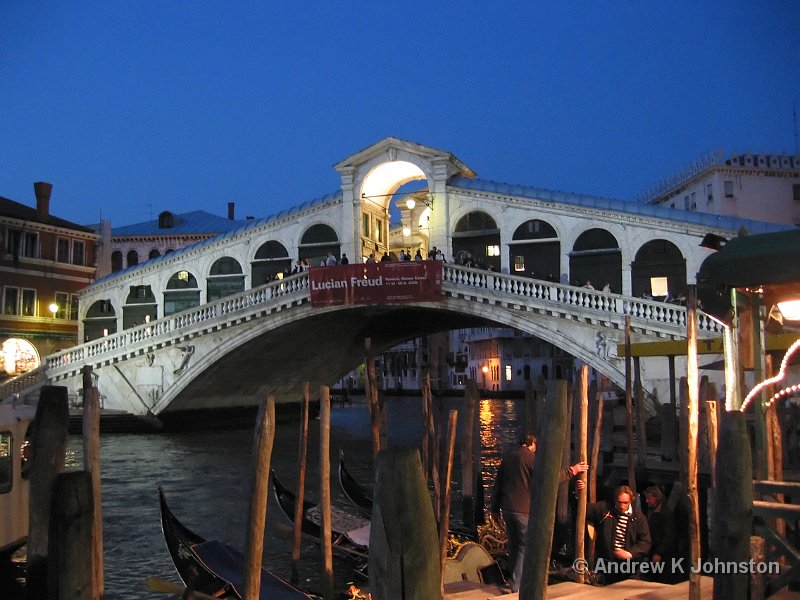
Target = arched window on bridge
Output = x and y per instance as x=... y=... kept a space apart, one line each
x=182 y=293
x=116 y=261
x=154 y=253
x=101 y=319
x=476 y=240
x=225 y=278
x=132 y=258
x=659 y=262
x=596 y=258
x=316 y=242
x=140 y=307
x=534 y=251
x=271 y=258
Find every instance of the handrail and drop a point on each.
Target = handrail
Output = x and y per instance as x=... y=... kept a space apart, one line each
x=567 y=296
x=456 y=278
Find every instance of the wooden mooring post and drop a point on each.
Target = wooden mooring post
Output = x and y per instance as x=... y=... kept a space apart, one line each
x=469 y=457
x=326 y=529
x=583 y=451
x=543 y=503
x=91 y=463
x=403 y=541
x=301 y=485
x=444 y=521
x=49 y=446
x=693 y=391
x=70 y=559
x=262 y=454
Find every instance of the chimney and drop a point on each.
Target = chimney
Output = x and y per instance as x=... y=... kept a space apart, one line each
x=230 y=211
x=43 y=190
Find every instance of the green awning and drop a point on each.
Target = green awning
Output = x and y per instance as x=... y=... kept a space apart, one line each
x=769 y=259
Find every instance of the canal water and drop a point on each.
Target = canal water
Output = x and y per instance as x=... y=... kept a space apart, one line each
x=207 y=475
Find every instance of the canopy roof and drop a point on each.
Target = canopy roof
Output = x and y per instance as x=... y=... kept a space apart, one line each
x=754 y=260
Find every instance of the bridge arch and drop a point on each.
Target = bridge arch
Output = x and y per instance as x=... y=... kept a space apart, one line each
x=116 y=261
x=140 y=306
x=535 y=250
x=181 y=293
x=225 y=277
x=270 y=258
x=100 y=320
x=662 y=259
x=131 y=258
x=316 y=241
x=596 y=257
x=476 y=237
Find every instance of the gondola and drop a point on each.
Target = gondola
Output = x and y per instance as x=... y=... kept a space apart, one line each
x=212 y=567
x=353 y=491
x=349 y=533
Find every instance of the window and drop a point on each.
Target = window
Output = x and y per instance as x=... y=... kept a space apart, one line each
x=19 y=301
x=77 y=252
x=30 y=244
x=508 y=372
x=22 y=243
x=686 y=204
x=11 y=301
x=62 y=299
x=379 y=230
x=365 y=224
x=73 y=307
x=659 y=286
x=519 y=263
x=493 y=250
x=796 y=191
x=709 y=193
x=6 y=461
x=62 y=250
x=693 y=202
x=729 y=189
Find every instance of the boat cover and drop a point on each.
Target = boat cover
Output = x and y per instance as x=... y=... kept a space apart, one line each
x=228 y=563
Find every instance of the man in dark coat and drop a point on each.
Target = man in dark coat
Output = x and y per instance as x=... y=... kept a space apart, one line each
x=661 y=522
x=512 y=496
x=622 y=534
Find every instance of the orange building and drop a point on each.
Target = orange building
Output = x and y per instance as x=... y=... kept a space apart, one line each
x=44 y=262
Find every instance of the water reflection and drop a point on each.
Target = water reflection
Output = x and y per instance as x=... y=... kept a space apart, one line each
x=207 y=479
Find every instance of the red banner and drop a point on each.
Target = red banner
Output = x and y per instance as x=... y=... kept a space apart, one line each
x=376 y=283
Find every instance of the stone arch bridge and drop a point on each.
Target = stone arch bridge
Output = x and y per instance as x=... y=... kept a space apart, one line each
x=271 y=339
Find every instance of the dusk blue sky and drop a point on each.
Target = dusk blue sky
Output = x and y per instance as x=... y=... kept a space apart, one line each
x=130 y=108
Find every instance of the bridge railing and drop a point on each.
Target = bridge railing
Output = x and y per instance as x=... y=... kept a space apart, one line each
x=526 y=289
x=182 y=323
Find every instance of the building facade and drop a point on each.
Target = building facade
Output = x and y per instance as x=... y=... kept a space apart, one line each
x=762 y=187
x=45 y=262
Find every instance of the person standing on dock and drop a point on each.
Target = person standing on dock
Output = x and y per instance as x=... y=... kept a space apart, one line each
x=511 y=498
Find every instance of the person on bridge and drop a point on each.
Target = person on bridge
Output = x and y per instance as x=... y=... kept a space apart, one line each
x=511 y=499
x=344 y=260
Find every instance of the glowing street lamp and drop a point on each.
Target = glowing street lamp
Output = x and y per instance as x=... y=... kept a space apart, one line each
x=53 y=309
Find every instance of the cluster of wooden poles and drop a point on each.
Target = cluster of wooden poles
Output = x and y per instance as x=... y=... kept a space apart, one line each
x=65 y=535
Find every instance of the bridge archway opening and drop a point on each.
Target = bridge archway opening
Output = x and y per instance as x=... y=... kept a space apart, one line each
x=476 y=241
x=154 y=253
x=271 y=258
x=316 y=242
x=383 y=194
x=140 y=306
x=535 y=251
x=225 y=277
x=100 y=320
x=659 y=259
x=597 y=259
x=182 y=293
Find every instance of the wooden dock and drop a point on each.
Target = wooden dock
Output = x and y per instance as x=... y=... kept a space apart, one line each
x=629 y=589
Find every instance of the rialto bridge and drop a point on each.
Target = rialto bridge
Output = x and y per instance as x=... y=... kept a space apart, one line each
x=212 y=325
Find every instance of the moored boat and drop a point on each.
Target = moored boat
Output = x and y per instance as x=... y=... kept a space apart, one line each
x=212 y=567
x=349 y=533
x=14 y=490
